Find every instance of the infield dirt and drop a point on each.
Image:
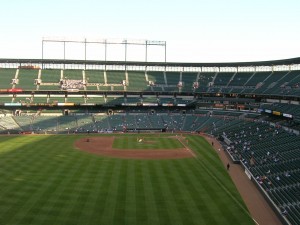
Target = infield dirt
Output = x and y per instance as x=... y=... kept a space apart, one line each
x=103 y=146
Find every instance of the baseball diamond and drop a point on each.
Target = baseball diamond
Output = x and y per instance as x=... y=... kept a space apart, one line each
x=195 y=121
x=48 y=175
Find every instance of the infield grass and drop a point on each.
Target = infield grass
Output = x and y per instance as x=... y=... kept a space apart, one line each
x=45 y=180
x=150 y=142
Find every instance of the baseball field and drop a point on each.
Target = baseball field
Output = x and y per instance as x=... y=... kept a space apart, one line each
x=74 y=179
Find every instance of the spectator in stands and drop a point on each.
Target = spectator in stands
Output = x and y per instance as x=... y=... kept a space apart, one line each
x=287 y=174
x=252 y=161
x=284 y=211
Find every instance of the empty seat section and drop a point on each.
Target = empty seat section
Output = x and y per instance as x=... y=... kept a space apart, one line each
x=50 y=79
x=173 y=122
x=173 y=78
x=142 y=121
x=94 y=78
x=57 y=99
x=282 y=86
x=45 y=124
x=188 y=80
x=22 y=99
x=24 y=122
x=8 y=123
x=137 y=81
x=189 y=123
x=133 y=100
x=153 y=100
x=156 y=121
x=204 y=81
x=27 y=78
x=270 y=81
x=240 y=79
x=73 y=74
x=165 y=100
x=85 y=123
x=273 y=80
x=67 y=123
x=96 y=99
x=5 y=99
x=76 y=99
x=116 y=122
x=101 y=122
x=223 y=78
x=130 y=122
x=115 y=77
x=256 y=79
x=6 y=76
x=114 y=101
x=40 y=99
x=156 y=77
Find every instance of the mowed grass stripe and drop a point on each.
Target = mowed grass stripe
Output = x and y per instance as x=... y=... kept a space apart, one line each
x=198 y=188
x=91 y=186
x=168 y=198
x=169 y=143
x=59 y=200
x=211 y=209
x=119 y=212
x=160 y=201
x=186 y=209
x=25 y=184
x=130 y=209
x=140 y=195
x=99 y=195
x=151 y=207
x=80 y=194
x=62 y=199
x=190 y=194
x=111 y=194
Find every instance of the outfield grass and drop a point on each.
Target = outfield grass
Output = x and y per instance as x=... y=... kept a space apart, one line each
x=44 y=180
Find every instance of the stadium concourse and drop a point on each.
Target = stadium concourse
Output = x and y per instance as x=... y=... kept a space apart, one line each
x=251 y=108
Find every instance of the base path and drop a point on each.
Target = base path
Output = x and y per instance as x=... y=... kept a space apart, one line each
x=103 y=146
x=259 y=209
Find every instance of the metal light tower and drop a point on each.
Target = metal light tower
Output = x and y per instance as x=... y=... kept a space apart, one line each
x=106 y=43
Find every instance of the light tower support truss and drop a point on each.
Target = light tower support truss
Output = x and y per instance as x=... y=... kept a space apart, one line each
x=106 y=43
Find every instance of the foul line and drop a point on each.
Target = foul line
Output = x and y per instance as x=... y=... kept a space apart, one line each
x=226 y=190
x=186 y=147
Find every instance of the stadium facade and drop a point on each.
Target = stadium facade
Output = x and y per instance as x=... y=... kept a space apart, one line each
x=240 y=103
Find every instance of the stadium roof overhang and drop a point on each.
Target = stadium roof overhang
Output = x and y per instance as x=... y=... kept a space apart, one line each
x=290 y=61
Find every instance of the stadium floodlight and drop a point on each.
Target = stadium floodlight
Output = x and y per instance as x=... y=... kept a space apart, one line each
x=106 y=43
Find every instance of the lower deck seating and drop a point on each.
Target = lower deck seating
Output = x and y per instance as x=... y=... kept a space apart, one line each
x=271 y=154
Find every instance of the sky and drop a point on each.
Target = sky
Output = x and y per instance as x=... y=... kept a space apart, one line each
x=194 y=30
